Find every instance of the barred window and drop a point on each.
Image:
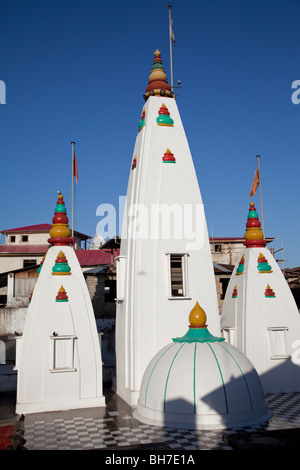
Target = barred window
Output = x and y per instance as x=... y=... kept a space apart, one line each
x=62 y=353
x=178 y=280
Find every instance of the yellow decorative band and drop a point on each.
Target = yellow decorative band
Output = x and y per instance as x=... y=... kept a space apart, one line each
x=61 y=274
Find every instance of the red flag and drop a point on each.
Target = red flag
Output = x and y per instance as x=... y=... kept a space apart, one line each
x=75 y=168
x=255 y=183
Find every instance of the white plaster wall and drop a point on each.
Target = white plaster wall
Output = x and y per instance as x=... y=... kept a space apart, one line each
x=11 y=320
x=251 y=315
x=40 y=389
x=147 y=319
x=33 y=239
x=10 y=263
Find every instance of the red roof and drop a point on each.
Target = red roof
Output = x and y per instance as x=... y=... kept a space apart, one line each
x=85 y=257
x=39 y=228
x=232 y=239
x=30 y=228
x=24 y=249
x=93 y=257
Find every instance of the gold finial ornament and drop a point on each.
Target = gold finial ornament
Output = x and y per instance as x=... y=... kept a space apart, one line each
x=197 y=317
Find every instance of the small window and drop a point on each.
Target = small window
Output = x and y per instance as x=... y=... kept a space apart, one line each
x=24 y=238
x=178 y=282
x=29 y=262
x=110 y=290
x=63 y=353
x=224 y=284
x=277 y=341
x=218 y=248
x=12 y=239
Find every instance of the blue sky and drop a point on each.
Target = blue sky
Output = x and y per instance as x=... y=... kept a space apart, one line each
x=76 y=70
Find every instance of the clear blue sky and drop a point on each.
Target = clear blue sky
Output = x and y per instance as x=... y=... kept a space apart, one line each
x=76 y=70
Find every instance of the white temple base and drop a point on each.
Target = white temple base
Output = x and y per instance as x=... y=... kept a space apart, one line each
x=208 y=421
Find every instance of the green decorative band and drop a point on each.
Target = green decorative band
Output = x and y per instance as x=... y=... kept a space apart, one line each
x=164 y=120
x=194 y=379
x=141 y=124
x=61 y=269
x=166 y=386
x=221 y=375
x=199 y=335
x=264 y=268
x=146 y=392
x=253 y=214
x=60 y=208
x=157 y=65
x=61 y=300
x=244 y=377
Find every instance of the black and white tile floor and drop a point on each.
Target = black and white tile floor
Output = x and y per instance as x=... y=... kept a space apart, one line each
x=114 y=428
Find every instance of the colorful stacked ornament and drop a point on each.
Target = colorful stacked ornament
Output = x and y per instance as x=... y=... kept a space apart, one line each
x=158 y=84
x=62 y=295
x=234 y=293
x=168 y=157
x=142 y=121
x=40 y=266
x=241 y=265
x=263 y=266
x=29 y=300
x=269 y=292
x=61 y=267
x=164 y=118
x=60 y=234
x=253 y=236
x=133 y=166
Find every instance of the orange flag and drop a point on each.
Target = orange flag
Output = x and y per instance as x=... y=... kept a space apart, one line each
x=75 y=168
x=255 y=183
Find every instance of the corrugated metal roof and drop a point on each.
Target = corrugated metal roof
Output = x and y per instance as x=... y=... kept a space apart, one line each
x=85 y=257
x=223 y=268
x=24 y=249
x=30 y=228
x=93 y=257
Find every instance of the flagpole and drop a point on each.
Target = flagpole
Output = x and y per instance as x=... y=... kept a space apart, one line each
x=260 y=191
x=170 y=34
x=73 y=146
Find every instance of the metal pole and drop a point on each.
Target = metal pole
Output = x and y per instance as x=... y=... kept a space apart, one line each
x=260 y=191
x=170 y=35
x=73 y=146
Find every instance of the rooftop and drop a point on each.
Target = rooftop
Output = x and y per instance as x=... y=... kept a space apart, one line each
x=39 y=228
x=85 y=257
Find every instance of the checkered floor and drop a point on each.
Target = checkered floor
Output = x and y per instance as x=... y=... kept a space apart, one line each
x=114 y=427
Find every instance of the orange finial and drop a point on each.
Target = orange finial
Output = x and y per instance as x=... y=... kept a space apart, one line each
x=253 y=236
x=197 y=317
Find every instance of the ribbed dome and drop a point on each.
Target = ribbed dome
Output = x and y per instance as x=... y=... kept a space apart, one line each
x=200 y=381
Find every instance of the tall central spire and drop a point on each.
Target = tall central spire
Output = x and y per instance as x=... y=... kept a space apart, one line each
x=158 y=83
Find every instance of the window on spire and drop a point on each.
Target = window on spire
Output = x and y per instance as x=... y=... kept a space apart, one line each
x=178 y=280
